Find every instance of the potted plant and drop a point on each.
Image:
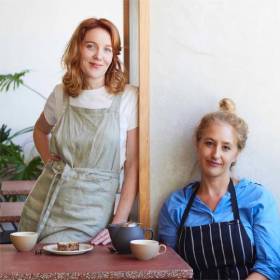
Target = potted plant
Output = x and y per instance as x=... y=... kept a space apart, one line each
x=13 y=163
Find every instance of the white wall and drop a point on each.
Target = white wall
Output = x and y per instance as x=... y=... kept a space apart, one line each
x=202 y=51
x=33 y=35
x=133 y=43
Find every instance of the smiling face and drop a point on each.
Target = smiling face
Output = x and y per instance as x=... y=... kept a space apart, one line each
x=217 y=149
x=96 y=56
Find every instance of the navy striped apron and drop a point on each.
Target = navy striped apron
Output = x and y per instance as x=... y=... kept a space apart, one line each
x=217 y=250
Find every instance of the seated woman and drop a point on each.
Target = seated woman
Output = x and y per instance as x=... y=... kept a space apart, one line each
x=223 y=227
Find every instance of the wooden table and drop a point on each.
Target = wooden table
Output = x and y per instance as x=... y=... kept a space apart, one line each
x=97 y=264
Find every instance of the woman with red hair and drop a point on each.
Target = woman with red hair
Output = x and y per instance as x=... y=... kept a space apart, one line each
x=92 y=118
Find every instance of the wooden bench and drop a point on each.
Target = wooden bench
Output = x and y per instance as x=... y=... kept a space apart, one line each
x=10 y=211
x=17 y=187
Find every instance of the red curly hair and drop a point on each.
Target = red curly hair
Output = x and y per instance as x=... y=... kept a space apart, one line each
x=74 y=80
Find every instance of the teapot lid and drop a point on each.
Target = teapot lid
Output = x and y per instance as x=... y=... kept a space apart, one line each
x=130 y=224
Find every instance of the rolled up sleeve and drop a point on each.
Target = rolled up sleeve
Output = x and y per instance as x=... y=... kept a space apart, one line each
x=167 y=228
x=266 y=229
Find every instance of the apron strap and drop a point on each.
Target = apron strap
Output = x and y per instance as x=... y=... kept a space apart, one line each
x=54 y=188
x=115 y=106
x=189 y=205
x=233 y=199
x=195 y=187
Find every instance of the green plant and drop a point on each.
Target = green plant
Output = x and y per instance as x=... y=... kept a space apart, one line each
x=13 y=165
x=12 y=161
x=15 y=80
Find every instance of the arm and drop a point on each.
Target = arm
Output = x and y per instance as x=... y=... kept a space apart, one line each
x=167 y=225
x=40 y=136
x=266 y=228
x=256 y=276
x=129 y=188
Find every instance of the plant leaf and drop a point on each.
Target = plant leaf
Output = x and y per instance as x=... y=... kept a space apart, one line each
x=31 y=170
x=22 y=131
x=4 y=133
x=12 y=164
x=15 y=79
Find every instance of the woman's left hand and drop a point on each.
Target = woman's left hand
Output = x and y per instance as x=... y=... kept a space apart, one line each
x=102 y=237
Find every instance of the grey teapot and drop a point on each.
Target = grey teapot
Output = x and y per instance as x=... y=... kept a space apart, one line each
x=122 y=234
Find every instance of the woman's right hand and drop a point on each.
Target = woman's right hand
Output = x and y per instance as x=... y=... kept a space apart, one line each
x=54 y=157
x=102 y=238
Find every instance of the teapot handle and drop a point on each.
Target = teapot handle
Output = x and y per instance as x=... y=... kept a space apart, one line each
x=150 y=231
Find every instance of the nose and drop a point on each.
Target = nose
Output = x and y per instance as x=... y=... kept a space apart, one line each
x=216 y=152
x=98 y=54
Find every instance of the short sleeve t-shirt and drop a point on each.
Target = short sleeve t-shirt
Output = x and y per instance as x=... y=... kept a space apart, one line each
x=98 y=99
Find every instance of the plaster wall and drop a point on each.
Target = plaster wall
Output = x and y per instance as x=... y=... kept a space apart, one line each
x=202 y=51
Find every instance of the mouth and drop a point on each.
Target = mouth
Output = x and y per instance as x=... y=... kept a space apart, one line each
x=213 y=163
x=95 y=65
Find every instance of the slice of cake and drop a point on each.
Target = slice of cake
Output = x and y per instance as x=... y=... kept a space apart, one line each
x=68 y=246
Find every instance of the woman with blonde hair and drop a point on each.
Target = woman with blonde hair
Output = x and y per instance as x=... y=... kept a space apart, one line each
x=92 y=118
x=223 y=227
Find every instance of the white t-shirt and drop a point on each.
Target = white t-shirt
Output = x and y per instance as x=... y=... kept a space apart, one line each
x=98 y=99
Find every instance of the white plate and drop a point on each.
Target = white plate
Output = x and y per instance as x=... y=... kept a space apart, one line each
x=83 y=248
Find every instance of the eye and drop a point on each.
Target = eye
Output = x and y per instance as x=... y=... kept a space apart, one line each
x=226 y=148
x=208 y=143
x=91 y=46
x=108 y=50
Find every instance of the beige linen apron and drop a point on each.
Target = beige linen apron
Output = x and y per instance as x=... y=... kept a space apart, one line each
x=73 y=199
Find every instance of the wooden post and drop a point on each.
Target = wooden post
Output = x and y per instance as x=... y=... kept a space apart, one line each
x=126 y=36
x=144 y=130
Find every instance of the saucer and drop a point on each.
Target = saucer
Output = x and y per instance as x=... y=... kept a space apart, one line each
x=83 y=248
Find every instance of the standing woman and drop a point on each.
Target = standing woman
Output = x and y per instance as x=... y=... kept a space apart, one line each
x=223 y=227
x=92 y=118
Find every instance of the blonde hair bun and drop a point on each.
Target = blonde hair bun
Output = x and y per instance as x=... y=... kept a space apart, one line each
x=227 y=105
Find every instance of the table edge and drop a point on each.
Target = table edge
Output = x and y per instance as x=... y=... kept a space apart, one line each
x=134 y=274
